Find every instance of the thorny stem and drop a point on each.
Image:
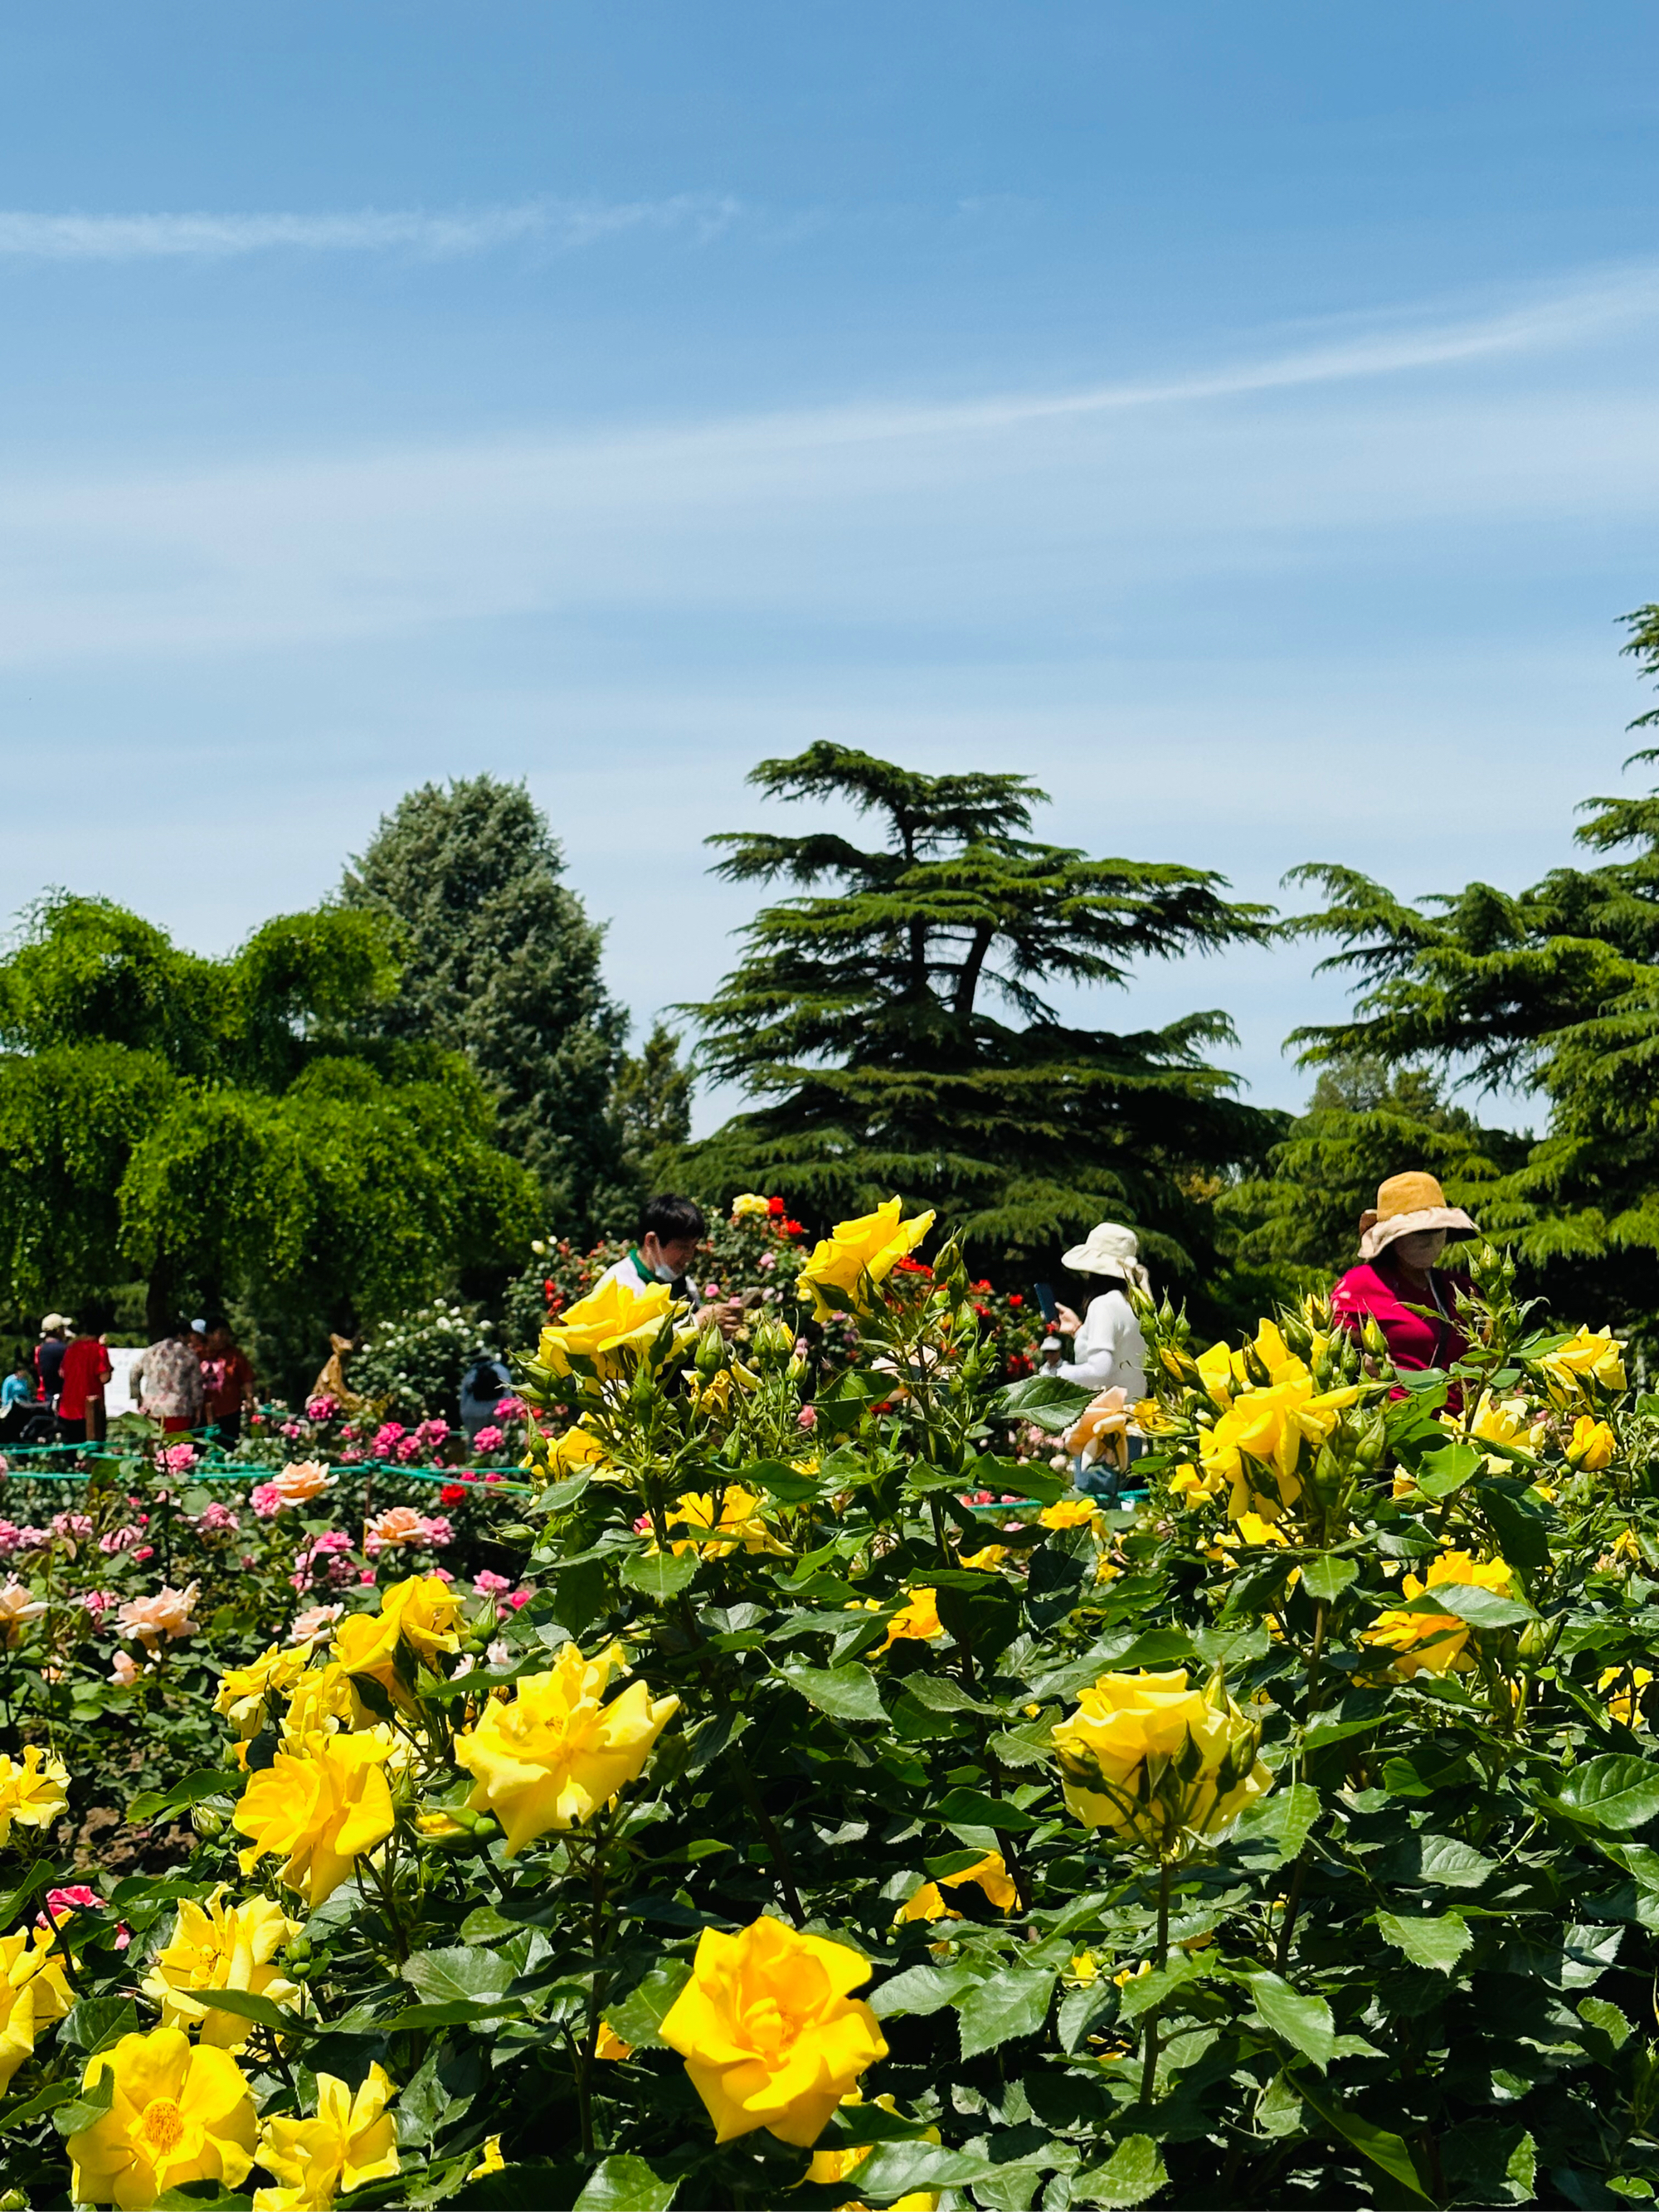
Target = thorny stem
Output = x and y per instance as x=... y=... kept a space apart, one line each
x=1149 y=2063
x=1293 y=1904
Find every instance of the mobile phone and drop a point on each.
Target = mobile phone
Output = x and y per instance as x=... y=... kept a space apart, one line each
x=1047 y=1305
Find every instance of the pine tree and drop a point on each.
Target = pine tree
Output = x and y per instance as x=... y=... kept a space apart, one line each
x=1551 y=992
x=652 y=1103
x=501 y=964
x=861 y=1019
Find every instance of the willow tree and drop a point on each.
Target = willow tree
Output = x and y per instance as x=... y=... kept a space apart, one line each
x=202 y=1123
x=893 y=1025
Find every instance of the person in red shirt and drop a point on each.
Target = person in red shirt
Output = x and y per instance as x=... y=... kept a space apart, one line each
x=86 y=1368
x=226 y=1381
x=1397 y=1284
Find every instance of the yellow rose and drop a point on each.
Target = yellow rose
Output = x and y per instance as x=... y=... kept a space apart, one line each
x=555 y=1752
x=608 y=1333
x=490 y=2160
x=34 y=1790
x=324 y=1699
x=1224 y=1372
x=323 y=1801
x=1626 y=1705
x=990 y=1873
x=33 y=1993
x=867 y=1249
x=610 y=2044
x=1502 y=1421
x=1592 y=1446
x=1269 y=1427
x=244 y=1692
x=748 y=1203
x=554 y=1459
x=987 y=1559
x=1434 y=1641
x=179 y=2112
x=421 y=1611
x=1157 y=1764
x=918 y=1618
x=1187 y=1486
x=736 y=1526
x=352 y=2140
x=1068 y=1513
x=829 y=2167
x=769 y=2032
x=221 y=1947
x=1585 y=1358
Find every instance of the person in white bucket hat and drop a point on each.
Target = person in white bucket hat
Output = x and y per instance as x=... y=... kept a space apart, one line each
x=1108 y=1350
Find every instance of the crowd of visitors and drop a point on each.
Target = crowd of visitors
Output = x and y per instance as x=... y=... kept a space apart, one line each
x=196 y=1376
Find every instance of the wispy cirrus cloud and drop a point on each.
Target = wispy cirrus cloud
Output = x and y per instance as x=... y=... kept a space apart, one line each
x=559 y=224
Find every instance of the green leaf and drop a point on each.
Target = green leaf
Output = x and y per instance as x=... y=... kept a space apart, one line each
x=1303 y=2022
x=1614 y=1791
x=1440 y=1473
x=1080 y=2008
x=1481 y=1608
x=972 y=1808
x=33 y=2108
x=1284 y=1819
x=96 y=2022
x=1438 y=1862
x=918 y=1991
x=1133 y=2172
x=1329 y=1576
x=1144 y=1991
x=470 y=1971
x=1597 y=2013
x=1382 y=2147
x=901 y=2169
x=39 y=1876
x=941 y=1693
x=247 y=2006
x=204 y=1782
x=637 y=2016
x=1436 y=1939
x=847 y=1693
x=1047 y=1401
x=90 y=2106
x=1521 y=1531
x=626 y=2184
x=784 y=1483
x=659 y=1574
x=1014 y=2001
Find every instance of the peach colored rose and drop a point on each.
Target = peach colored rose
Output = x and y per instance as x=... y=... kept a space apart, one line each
x=165 y=1615
x=303 y=1480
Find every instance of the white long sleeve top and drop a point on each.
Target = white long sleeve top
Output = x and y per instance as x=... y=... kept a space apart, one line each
x=1111 y=1350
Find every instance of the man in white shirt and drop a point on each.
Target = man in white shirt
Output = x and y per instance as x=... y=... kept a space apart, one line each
x=669 y=1231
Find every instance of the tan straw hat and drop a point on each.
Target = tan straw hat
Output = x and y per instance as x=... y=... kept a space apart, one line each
x=1405 y=1205
x=1109 y=1249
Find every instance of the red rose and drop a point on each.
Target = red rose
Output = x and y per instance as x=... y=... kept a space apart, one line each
x=774 y=1206
x=1015 y=1300
x=451 y=1493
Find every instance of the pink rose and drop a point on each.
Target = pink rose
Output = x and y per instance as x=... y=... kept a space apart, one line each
x=166 y=1614
x=487 y=1440
x=316 y=1620
x=178 y=1459
x=267 y=1500
x=489 y=1585
x=807 y=1418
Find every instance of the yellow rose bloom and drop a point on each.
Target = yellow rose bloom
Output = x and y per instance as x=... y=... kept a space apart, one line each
x=33 y=1992
x=179 y=2112
x=34 y=1790
x=554 y=1752
x=324 y=1699
x=1269 y=1427
x=1587 y=1357
x=868 y=1249
x=919 y=1618
x=1501 y=1421
x=737 y=1526
x=1157 y=1764
x=1625 y=1706
x=421 y=1611
x=1187 y=1486
x=323 y=1802
x=991 y=1873
x=1434 y=1641
x=1224 y=1372
x=608 y=1333
x=748 y=1203
x=352 y=2140
x=829 y=2166
x=218 y=1946
x=1068 y=1513
x=1592 y=1445
x=244 y=1692
x=567 y=1454
x=610 y=2044
x=769 y=2032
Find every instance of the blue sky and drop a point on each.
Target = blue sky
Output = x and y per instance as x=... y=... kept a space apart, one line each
x=1242 y=421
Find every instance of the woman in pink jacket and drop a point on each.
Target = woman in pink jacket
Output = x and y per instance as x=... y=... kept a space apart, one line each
x=1412 y=1301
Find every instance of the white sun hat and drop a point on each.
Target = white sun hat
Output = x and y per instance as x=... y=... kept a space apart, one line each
x=1109 y=1249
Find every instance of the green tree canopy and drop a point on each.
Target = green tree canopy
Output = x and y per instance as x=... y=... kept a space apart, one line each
x=501 y=964
x=1553 y=993
x=892 y=1023
x=204 y=1123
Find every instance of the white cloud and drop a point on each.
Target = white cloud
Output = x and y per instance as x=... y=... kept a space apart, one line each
x=560 y=223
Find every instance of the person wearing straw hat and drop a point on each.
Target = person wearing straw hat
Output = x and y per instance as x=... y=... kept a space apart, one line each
x=1397 y=1283
x=1107 y=1349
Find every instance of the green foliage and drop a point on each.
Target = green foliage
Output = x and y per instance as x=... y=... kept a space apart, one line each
x=202 y=1121
x=414 y=1364
x=652 y=1100
x=859 y=1018
x=1416 y=1969
x=501 y=965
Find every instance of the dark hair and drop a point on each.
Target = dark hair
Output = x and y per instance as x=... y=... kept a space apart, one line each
x=216 y=1320
x=670 y=1219
x=96 y=1317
